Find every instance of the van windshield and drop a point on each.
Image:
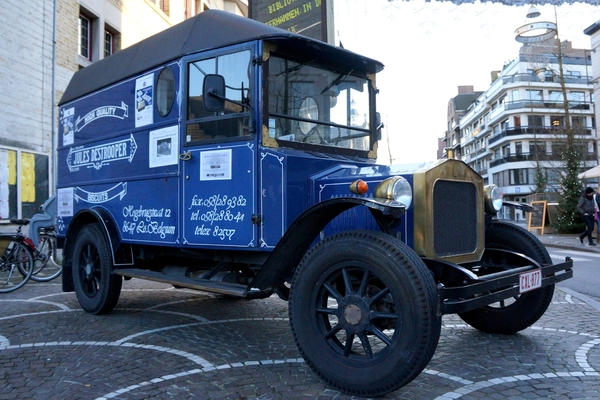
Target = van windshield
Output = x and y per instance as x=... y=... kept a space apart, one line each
x=315 y=106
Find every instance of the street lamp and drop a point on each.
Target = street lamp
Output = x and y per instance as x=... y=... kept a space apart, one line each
x=533 y=12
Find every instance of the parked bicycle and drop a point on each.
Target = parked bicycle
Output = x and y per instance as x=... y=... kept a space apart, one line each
x=16 y=262
x=48 y=264
x=39 y=246
x=42 y=242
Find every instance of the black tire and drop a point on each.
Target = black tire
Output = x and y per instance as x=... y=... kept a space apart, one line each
x=513 y=315
x=372 y=289
x=97 y=288
x=16 y=267
x=46 y=269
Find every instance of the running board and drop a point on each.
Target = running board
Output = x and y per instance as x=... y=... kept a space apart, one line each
x=229 y=289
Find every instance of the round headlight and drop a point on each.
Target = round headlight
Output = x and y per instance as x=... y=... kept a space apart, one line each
x=493 y=199
x=395 y=188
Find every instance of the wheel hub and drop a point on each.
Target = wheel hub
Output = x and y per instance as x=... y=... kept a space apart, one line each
x=355 y=314
x=352 y=314
x=88 y=269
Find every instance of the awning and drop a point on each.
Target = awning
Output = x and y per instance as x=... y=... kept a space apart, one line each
x=590 y=173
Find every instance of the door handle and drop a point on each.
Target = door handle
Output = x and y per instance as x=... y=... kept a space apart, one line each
x=185 y=156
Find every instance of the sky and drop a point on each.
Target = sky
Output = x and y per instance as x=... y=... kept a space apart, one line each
x=431 y=48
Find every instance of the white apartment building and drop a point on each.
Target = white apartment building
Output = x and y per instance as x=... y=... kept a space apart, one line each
x=45 y=42
x=518 y=123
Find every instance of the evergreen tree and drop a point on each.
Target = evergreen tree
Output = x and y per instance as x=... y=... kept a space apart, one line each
x=569 y=220
x=539 y=179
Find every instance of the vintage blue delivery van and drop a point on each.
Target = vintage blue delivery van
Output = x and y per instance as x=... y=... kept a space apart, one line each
x=233 y=157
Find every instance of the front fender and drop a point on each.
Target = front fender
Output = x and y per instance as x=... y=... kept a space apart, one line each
x=300 y=235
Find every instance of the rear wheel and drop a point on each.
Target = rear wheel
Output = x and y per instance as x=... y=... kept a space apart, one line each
x=97 y=288
x=362 y=312
x=515 y=314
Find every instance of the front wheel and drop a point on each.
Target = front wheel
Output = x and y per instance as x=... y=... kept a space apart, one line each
x=515 y=314
x=363 y=312
x=16 y=266
x=46 y=268
x=97 y=288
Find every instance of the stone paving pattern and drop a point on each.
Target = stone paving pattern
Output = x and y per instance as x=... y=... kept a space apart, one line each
x=167 y=343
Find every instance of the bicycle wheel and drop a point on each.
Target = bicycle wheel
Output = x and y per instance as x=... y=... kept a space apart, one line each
x=16 y=267
x=46 y=268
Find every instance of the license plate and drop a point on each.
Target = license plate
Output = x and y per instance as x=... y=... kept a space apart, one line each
x=530 y=281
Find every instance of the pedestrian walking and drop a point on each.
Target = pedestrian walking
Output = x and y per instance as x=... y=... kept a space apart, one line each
x=586 y=208
x=596 y=213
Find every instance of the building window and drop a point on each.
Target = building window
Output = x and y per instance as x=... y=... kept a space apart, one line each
x=519 y=176
x=553 y=177
x=578 y=122
x=501 y=178
x=537 y=148
x=26 y=184
x=85 y=37
x=555 y=96
x=557 y=121
x=108 y=43
x=163 y=5
x=534 y=95
x=535 y=121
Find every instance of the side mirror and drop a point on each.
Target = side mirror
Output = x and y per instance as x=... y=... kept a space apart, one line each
x=213 y=93
x=378 y=126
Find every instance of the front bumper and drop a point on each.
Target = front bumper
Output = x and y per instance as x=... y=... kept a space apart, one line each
x=480 y=291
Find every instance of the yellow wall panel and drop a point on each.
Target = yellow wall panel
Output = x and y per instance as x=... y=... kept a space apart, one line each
x=27 y=178
x=12 y=167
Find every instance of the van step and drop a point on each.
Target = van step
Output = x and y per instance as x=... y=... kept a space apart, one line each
x=229 y=289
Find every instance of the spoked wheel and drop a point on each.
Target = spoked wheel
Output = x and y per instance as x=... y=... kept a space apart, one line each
x=46 y=267
x=362 y=311
x=16 y=267
x=97 y=288
x=514 y=314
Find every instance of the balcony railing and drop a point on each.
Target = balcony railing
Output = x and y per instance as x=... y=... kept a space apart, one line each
x=558 y=104
x=536 y=130
x=533 y=156
x=534 y=78
x=540 y=156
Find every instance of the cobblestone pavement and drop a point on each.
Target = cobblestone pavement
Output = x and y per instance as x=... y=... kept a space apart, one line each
x=165 y=343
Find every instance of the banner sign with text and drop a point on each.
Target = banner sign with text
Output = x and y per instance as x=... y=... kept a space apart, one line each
x=304 y=17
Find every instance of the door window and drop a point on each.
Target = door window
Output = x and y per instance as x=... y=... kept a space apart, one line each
x=233 y=121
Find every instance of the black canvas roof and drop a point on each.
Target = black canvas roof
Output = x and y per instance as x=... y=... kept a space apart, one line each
x=208 y=30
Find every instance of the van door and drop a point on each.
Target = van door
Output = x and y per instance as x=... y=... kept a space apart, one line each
x=218 y=156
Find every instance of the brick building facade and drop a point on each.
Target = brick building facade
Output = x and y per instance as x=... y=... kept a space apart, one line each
x=44 y=43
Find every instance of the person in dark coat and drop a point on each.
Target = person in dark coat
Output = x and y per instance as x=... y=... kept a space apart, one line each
x=586 y=208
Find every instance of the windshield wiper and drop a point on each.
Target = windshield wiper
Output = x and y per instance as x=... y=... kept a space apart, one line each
x=341 y=78
x=296 y=67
